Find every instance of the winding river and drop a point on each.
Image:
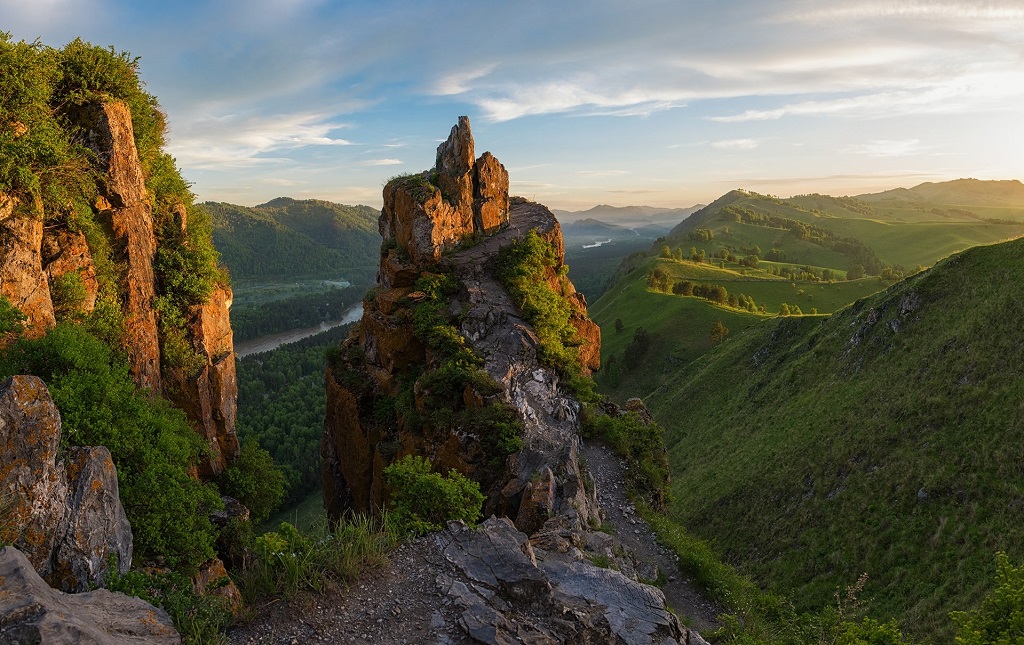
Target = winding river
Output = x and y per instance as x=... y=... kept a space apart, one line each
x=273 y=341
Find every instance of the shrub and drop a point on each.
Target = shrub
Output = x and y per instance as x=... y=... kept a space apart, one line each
x=423 y=500
x=11 y=318
x=642 y=444
x=522 y=267
x=1000 y=618
x=254 y=480
x=200 y=619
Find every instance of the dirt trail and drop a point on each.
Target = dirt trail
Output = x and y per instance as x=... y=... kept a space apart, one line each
x=681 y=594
x=402 y=603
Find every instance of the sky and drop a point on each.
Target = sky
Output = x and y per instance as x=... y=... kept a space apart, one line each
x=663 y=103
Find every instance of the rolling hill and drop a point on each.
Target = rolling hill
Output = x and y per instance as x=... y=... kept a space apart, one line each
x=884 y=439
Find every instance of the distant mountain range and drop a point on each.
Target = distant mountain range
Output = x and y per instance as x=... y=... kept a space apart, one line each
x=959 y=192
x=628 y=216
x=287 y=238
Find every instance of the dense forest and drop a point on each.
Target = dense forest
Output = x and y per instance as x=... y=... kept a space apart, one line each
x=286 y=238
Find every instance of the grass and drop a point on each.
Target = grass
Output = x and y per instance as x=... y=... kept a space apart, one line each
x=305 y=515
x=815 y=449
x=680 y=326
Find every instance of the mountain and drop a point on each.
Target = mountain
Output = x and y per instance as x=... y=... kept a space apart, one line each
x=883 y=439
x=629 y=216
x=287 y=238
x=963 y=193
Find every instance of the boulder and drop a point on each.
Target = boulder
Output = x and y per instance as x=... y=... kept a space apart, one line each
x=507 y=594
x=96 y=525
x=67 y=515
x=32 y=612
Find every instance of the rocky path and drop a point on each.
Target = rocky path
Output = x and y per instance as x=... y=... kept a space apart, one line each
x=620 y=516
x=402 y=602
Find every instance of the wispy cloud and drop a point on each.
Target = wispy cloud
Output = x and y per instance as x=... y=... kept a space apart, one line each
x=602 y=173
x=237 y=140
x=735 y=144
x=884 y=148
x=382 y=162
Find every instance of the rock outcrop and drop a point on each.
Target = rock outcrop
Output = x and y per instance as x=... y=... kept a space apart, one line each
x=22 y=280
x=524 y=577
x=209 y=396
x=32 y=612
x=65 y=514
x=123 y=199
x=509 y=594
x=40 y=268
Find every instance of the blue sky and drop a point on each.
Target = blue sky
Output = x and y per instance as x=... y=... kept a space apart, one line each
x=665 y=103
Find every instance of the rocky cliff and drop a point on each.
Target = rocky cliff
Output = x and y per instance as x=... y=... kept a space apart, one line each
x=65 y=514
x=395 y=389
x=49 y=272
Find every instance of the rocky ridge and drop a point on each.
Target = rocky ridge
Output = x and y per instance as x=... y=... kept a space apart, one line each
x=36 y=259
x=525 y=575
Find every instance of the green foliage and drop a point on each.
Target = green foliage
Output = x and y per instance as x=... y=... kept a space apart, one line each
x=200 y=619
x=67 y=293
x=755 y=617
x=152 y=444
x=287 y=561
x=522 y=267
x=813 y=449
x=1000 y=618
x=287 y=238
x=282 y=404
x=254 y=480
x=423 y=501
x=11 y=319
x=641 y=444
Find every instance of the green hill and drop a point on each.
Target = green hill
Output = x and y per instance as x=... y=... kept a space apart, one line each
x=287 y=238
x=886 y=439
x=840 y=232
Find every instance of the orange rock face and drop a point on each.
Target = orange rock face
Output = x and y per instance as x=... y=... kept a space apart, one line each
x=210 y=397
x=22 y=280
x=131 y=218
x=491 y=203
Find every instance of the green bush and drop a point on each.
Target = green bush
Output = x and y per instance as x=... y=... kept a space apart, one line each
x=200 y=619
x=522 y=267
x=423 y=501
x=11 y=319
x=1000 y=619
x=287 y=561
x=641 y=444
x=254 y=480
x=152 y=444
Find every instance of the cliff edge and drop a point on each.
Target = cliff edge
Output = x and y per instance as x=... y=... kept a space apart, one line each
x=445 y=365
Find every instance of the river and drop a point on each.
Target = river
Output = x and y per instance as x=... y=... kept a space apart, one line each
x=273 y=341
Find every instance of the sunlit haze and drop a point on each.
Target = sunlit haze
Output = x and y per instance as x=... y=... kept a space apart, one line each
x=661 y=103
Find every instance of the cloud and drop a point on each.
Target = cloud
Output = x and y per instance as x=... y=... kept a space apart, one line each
x=884 y=148
x=245 y=140
x=735 y=144
x=382 y=162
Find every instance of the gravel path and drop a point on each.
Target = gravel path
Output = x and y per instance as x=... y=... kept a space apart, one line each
x=620 y=514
